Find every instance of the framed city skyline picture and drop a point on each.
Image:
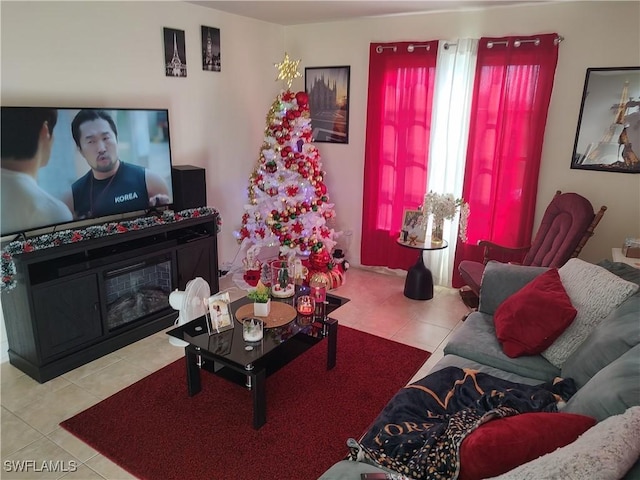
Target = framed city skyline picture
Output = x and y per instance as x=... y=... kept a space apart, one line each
x=211 y=61
x=328 y=90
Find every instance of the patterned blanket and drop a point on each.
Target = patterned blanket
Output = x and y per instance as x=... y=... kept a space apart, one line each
x=420 y=431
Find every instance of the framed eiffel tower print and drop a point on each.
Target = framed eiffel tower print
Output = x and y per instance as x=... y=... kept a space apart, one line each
x=608 y=134
x=175 y=58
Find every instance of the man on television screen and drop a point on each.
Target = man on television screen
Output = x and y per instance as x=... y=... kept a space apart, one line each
x=111 y=186
x=27 y=138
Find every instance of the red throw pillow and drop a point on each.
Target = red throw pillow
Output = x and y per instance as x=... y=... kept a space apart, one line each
x=532 y=318
x=503 y=444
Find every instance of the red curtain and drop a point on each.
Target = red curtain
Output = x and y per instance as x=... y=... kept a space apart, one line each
x=512 y=91
x=401 y=82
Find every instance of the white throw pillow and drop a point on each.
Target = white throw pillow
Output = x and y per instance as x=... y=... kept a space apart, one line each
x=606 y=451
x=594 y=292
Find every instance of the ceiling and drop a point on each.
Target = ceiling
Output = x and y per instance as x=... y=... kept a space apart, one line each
x=297 y=12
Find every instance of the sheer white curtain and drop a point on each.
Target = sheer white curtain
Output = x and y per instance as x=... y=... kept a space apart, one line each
x=455 y=71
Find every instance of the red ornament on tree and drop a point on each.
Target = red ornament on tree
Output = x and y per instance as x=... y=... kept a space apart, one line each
x=302 y=98
x=285 y=151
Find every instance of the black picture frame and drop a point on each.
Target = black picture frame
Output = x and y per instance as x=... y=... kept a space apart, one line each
x=328 y=91
x=210 y=46
x=175 y=56
x=608 y=133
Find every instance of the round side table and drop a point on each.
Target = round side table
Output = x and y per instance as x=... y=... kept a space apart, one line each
x=419 y=282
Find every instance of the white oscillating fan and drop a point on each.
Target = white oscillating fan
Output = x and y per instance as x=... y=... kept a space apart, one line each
x=191 y=304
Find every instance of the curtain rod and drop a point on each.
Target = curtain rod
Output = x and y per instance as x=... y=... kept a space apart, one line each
x=380 y=48
x=411 y=47
x=517 y=43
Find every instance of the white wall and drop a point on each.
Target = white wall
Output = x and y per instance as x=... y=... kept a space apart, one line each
x=597 y=34
x=111 y=54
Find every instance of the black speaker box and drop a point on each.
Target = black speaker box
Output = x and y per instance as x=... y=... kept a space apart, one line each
x=189 y=187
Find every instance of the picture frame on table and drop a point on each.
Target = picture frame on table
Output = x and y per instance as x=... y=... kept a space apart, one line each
x=219 y=318
x=328 y=91
x=608 y=133
x=413 y=229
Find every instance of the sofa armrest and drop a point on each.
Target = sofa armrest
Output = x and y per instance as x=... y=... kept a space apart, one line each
x=501 y=280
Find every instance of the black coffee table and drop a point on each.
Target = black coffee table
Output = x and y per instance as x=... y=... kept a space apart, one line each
x=225 y=353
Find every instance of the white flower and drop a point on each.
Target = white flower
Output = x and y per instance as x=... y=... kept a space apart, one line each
x=444 y=206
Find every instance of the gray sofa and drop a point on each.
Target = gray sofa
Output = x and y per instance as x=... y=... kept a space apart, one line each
x=605 y=367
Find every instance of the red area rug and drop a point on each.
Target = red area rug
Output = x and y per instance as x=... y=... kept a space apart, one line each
x=155 y=431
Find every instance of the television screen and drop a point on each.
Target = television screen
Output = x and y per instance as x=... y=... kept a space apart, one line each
x=62 y=165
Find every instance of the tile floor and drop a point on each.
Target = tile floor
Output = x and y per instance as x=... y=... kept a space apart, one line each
x=31 y=411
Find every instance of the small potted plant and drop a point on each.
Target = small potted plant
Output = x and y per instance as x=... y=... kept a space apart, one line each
x=261 y=300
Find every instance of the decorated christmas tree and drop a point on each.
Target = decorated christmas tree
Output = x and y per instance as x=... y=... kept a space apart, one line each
x=288 y=199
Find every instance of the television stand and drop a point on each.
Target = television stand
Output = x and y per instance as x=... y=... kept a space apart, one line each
x=79 y=301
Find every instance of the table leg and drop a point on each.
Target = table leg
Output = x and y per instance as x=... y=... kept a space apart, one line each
x=332 y=339
x=259 y=398
x=419 y=282
x=193 y=371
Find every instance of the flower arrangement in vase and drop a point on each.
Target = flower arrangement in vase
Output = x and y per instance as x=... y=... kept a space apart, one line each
x=444 y=206
x=261 y=300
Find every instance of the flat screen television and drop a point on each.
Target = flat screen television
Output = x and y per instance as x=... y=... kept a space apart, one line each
x=64 y=165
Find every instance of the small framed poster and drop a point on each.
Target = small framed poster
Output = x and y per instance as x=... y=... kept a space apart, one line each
x=608 y=133
x=328 y=90
x=210 y=38
x=175 y=57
